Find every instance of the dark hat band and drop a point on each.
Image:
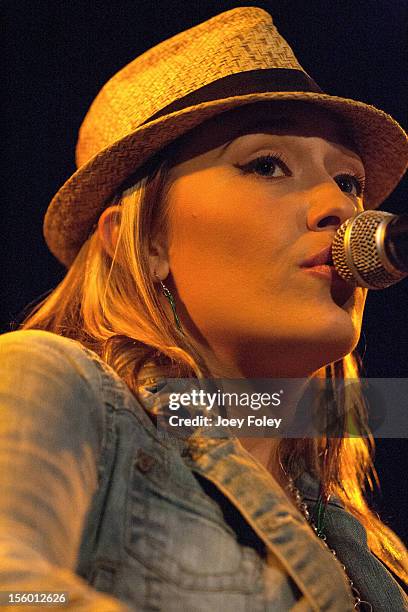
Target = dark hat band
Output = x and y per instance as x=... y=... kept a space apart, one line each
x=241 y=84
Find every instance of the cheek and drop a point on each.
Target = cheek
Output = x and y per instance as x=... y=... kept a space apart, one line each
x=214 y=230
x=224 y=217
x=228 y=252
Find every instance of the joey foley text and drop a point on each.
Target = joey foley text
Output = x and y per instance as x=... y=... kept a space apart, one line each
x=198 y=400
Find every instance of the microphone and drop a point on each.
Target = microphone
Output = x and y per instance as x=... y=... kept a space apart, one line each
x=371 y=249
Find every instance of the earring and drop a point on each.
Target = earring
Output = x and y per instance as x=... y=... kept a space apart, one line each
x=169 y=297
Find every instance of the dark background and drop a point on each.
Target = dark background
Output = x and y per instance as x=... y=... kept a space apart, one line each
x=58 y=53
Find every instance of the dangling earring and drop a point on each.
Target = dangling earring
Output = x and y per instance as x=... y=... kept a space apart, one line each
x=169 y=297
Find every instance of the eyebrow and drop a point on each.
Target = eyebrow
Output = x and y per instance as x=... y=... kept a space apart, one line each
x=262 y=125
x=272 y=123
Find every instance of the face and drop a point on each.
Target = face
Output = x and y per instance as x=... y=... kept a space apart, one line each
x=255 y=193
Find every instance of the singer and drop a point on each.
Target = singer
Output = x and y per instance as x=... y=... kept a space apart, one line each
x=213 y=174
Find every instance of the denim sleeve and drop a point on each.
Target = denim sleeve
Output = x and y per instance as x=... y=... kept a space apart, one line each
x=51 y=436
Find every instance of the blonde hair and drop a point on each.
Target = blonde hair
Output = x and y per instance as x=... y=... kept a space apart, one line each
x=112 y=307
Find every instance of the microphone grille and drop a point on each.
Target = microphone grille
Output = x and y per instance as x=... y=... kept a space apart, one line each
x=339 y=254
x=356 y=256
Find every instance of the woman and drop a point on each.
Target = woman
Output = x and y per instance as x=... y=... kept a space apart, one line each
x=197 y=234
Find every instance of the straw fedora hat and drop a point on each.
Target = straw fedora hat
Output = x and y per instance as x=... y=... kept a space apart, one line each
x=235 y=58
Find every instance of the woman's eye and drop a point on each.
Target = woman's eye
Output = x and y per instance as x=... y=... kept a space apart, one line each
x=350 y=183
x=269 y=166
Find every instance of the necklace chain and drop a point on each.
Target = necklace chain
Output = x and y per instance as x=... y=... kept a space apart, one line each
x=359 y=604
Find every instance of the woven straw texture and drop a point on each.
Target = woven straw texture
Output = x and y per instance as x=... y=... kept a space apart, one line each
x=116 y=137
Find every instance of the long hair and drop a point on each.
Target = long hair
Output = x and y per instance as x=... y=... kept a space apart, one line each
x=111 y=306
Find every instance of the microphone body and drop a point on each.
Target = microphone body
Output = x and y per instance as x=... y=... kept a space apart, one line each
x=371 y=249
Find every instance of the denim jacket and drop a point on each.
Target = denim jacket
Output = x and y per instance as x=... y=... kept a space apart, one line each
x=96 y=503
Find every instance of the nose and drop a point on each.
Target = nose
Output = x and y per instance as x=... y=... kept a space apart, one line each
x=329 y=207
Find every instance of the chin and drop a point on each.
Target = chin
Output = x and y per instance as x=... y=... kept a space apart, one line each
x=337 y=342
x=327 y=337
x=338 y=326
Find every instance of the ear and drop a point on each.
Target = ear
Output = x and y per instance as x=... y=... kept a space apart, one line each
x=108 y=228
x=158 y=259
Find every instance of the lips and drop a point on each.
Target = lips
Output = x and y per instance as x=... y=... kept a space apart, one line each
x=340 y=290
x=321 y=258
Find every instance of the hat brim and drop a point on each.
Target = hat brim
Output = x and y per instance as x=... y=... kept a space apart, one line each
x=74 y=210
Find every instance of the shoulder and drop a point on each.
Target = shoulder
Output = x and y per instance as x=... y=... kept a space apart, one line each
x=45 y=345
x=60 y=362
x=41 y=359
x=49 y=354
x=37 y=340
